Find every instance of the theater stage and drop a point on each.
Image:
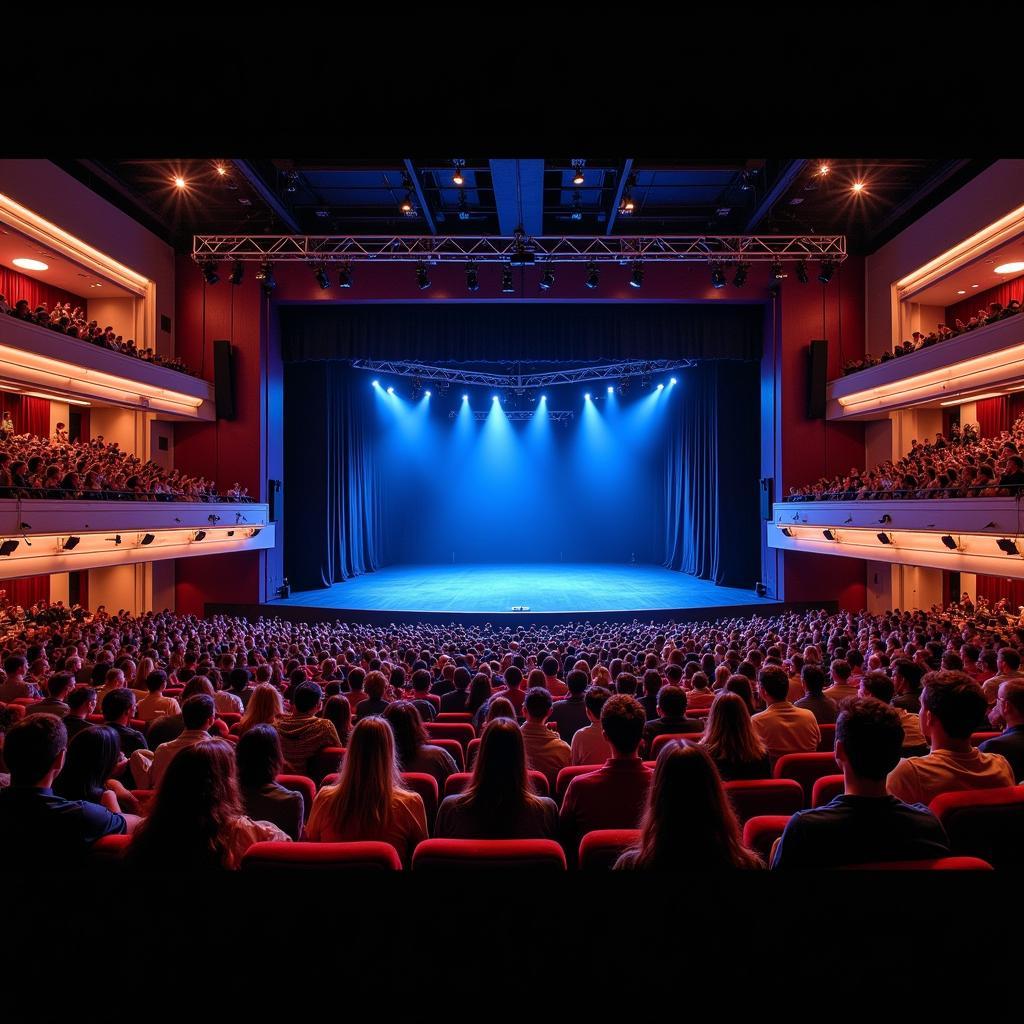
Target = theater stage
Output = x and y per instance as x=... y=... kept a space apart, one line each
x=548 y=591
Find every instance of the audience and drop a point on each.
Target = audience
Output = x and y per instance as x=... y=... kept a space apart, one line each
x=303 y=735
x=732 y=742
x=92 y=760
x=823 y=708
x=260 y=760
x=412 y=749
x=197 y=714
x=1010 y=744
x=570 y=713
x=545 y=752
x=671 y=720
x=589 y=744
x=782 y=727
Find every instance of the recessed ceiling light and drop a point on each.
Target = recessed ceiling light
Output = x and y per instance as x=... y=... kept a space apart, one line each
x=975 y=285
x=962 y=291
x=1010 y=268
x=27 y=264
x=244 y=202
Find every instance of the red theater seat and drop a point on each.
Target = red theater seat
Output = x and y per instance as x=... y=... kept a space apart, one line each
x=939 y=864
x=668 y=737
x=828 y=738
x=752 y=797
x=326 y=761
x=826 y=789
x=601 y=849
x=17 y=711
x=805 y=769
x=110 y=849
x=471 y=752
x=461 y=731
x=760 y=833
x=977 y=738
x=366 y=856
x=459 y=782
x=426 y=786
x=454 y=716
x=500 y=854
x=230 y=718
x=301 y=784
x=454 y=747
x=26 y=702
x=986 y=823
x=567 y=774
x=145 y=798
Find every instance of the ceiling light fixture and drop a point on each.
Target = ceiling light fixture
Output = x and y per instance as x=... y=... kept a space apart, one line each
x=577 y=206
x=801 y=272
x=593 y=275
x=636 y=279
x=265 y=275
x=457 y=177
x=828 y=268
x=577 y=166
x=507 y=284
x=210 y=275
x=147 y=539
x=179 y=182
x=237 y=273
x=422 y=278
x=27 y=264
x=71 y=543
x=200 y=535
x=1010 y=268
x=718 y=279
x=472 y=278
x=463 y=206
x=345 y=276
x=547 y=280
x=321 y=278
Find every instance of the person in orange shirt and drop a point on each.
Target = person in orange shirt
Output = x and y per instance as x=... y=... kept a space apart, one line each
x=554 y=685
x=545 y=752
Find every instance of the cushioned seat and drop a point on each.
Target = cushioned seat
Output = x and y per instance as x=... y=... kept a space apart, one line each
x=459 y=782
x=805 y=769
x=301 y=784
x=461 y=731
x=366 y=856
x=826 y=789
x=599 y=850
x=500 y=854
x=751 y=797
x=324 y=762
x=659 y=741
x=760 y=833
x=567 y=774
x=454 y=747
x=828 y=738
x=939 y=864
x=986 y=823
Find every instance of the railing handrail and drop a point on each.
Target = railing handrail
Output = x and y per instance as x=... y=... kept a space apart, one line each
x=909 y=494
x=79 y=494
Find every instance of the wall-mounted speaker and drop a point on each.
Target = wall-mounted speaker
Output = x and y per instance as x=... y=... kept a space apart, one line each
x=817 y=379
x=767 y=488
x=274 y=502
x=224 y=379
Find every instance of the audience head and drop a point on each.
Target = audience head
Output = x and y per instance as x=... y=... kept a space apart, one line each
x=198 y=712
x=952 y=707
x=259 y=756
x=34 y=749
x=869 y=738
x=622 y=722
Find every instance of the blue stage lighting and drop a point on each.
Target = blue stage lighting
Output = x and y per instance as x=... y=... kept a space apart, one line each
x=661 y=387
x=495 y=398
x=465 y=398
x=673 y=381
x=391 y=391
x=587 y=396
x=543 y=398
x=376 y=383
x=611 y=390
x=426 y=394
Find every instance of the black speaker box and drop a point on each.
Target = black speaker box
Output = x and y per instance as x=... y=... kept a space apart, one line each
x=224 y=379
x=817 y=379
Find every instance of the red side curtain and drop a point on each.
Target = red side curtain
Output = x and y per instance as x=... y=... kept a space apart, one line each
x=15 y=286
x=993 y=416
x=1001 y=293
x=995 y=587
x=30 y=415
x=27 y=590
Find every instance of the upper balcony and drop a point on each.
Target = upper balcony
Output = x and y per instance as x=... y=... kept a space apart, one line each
x=35 y=359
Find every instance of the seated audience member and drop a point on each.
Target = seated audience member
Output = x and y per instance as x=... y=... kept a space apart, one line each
x=225 y=700
x=355 y=694
x=376 y=685
x=782 y=727
x=570 y=713
x=1007 y=667
x=589 y=745
x=740 y=685
x=906 y=677
x=118 y=708
x=156 y=705
x=626 y=682
x=338 y=712
x=866 y=824
x=16 y=686
x=170 y=727
x=701 y=696
x=265 y=708
x=672 y=703
x=38 y=827
x=445 y=683
x=58 y=688
x=1010 y=744
x=613 y=796
x=88 y=773
x=823 y=708
x=499 y=707
x=879 y=686
x=479 y=694
x=303 y=735
x=688 y=824
x=198 y=713
x=370 y=802
x=197 y=820
x=239 y=685
x=81 y=704
x=458 y=697
x=499 y=802
x=413 y=749
x=427 y=704
x=841 y=688
x=258 y=755
x=552 y=683
x=652 y=683
x=951 y=706
x=545 y=752
x=513 y=689
x=732 y=743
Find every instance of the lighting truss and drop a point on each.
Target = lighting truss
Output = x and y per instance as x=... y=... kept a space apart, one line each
x=519 y=415
x=523 y=381
x=434 y=249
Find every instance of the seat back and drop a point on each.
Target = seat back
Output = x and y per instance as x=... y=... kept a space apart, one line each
x=229 y=718
x=500 y=854
x=454 y=747
x=454 y=716
x=17 y=712
x=459 y=783
x=977 y=738
x=471 y=751
x=567 y=774
x=600 y=850
x=366 y=856
x=110 y=849
x=826 y=789
x=761 y=831
x=939 y=864
x=752 y=797
x=461 y=731
x=985 y=823
x=828 y=738
x=659 y=741
x=300 y=784
x=426 y=786
x=325 y=761
x=805 y=769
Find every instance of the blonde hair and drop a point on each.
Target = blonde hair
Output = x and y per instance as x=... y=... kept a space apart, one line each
x=264 y=706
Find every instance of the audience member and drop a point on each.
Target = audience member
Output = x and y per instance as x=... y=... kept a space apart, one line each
x=303 y=735
x=412 y=748
x=732 y=742
x=672 y=719
x=260 y=761
x=1010 y=744
x=823 y=708
x=589 y=744
x=545 y=752
x=782 y=727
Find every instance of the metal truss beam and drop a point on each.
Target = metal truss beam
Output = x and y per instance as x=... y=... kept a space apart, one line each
x=521 y=415
x=523 y=381
x=434 y=249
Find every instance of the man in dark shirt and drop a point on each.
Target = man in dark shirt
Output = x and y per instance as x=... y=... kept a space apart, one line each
x=118 y=708
x=865 y=825
x=37 y=828
x=570 y=713
x=672 y=709
x=823 y=708
x=81 y=704
x=906 y=677
x=1010 y=704
x=456 y=700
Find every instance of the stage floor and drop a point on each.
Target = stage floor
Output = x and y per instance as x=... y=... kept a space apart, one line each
x=543 y=589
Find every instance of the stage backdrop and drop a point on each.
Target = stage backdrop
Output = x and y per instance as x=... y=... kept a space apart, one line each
x=667 y=477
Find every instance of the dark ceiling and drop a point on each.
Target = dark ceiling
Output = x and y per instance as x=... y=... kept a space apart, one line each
x=668 y=196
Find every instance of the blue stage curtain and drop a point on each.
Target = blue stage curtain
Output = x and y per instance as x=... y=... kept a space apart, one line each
x=711 y=476
x=332 y=497
x=547 y=331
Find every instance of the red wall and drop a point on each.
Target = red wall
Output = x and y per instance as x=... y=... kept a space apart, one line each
x=15 y=286
x=221 y=578
x=1001 y=293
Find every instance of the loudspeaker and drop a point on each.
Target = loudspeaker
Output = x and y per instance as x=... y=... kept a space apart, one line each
x=767 y=486
x=817 y=379
x=273 y=487
x=224 y=379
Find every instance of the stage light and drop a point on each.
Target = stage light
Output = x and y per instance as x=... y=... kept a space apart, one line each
x=587 y=396
x=823 y=169
x=543 y=398
x=345 y=276
x=391 y=390
x=463 y=206
x=148 y=539
x=577 y=206
x=547 y=280
x=857 y=186
x=495 y=398
x=611 y=390
x=507 y=285
x=201 y=535
x=221 y=170
x=828 y=268
x=740 y=277
x=210 y=275
x=465 y=398
x=376 y=383
x=884 y=538
x=661 y=387
x=673 y=381
x=593 y=275
x=828 y=534
x=265 y=275
x=321 y=278
x=636 y=279
x=777 y=272
x=71 y=543
x=718 y=276
x=426 y=394
x=801 y=272
x=457 y=178
x=237 y=273
x=472 y=278
x=949 y=542
x=179 y=182
x=1008 y=546
x=9 y=547
x=786 y=531
x=577 y=166
x=422 y=278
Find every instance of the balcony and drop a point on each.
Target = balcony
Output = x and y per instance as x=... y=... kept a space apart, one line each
x=35 y=359
x=39 y=536
x=972 y=365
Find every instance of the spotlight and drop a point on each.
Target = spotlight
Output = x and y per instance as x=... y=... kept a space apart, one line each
x=547 y=280
x=408 y=207
x=577 y=166
x=237 y=273
x=345 y=276
x=593 y=275
x=611 y=390
x=71 y=543
x=265 y=275
x=495 y=398
x=376 y=383
x=463 y=207
x=949 y=542
x=543 y=398
x=884 y=538
x=210 y=275
x=472 y=278
x=587 y=396
x=9 y=547
x=626 y=205
x=636 y=279
x=828 y=534
x=577 y=206
x=1008 y=546
x=828 y=268
x=740 y=277
x=422 y=278
x=148 y=539
x=718 y=276
x=465 y=398
x=507 y=285
x=457 y=178
x=321 y=278
x=857 y=186
x=660 y=387
x=391 y=390
x=255 y=531
x=426 y=393
x=786 y=531
x=200 y=535
x=673 y=381
x=292 y=181
x=801 y=272
x=179 y=182
x=777 y=272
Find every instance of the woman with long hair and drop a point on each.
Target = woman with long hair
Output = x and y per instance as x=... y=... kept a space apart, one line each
x=499 y=802
x=688 y=824
x=740 y=684
x=479 y=692
x=500 y=707
x=370 y=801
x=338 y=710
x=414 y=752
x=731 y=741
x=259 y=759
x=92 y=758
x=197 y=819
x=265 y=706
